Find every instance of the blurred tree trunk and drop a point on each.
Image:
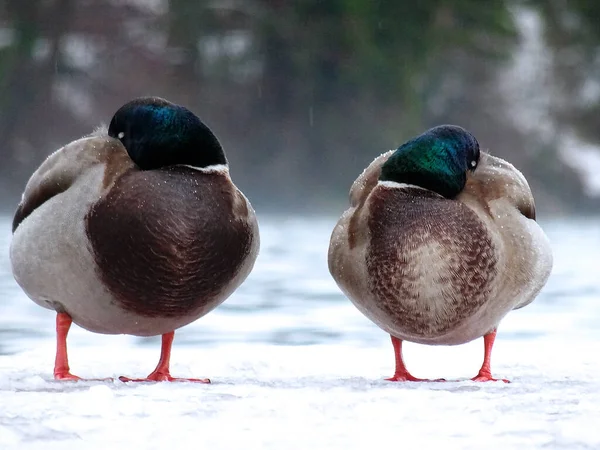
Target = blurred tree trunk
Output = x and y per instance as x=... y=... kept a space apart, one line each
x=277 y=133
x=17 y=92
x=186 y=23
x=26 y=89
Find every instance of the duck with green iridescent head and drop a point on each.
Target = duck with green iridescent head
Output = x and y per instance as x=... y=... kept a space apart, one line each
x=440 y=242
x=135 y=229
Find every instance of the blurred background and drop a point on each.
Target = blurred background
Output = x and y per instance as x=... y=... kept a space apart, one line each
x=303 y=95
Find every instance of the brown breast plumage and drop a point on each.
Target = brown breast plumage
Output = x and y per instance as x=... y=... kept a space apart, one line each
x=430 y=261
x=167 y=242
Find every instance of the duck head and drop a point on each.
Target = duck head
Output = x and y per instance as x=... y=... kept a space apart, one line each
x=158 y=133
x=438 y=160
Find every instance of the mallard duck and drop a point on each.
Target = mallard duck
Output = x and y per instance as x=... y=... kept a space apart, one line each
x=440 y=242
x=134 y=229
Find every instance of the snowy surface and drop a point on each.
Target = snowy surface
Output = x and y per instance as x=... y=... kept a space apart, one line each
x=295 y=366
x=323 y=396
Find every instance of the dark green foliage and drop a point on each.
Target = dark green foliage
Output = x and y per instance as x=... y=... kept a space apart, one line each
x=302 y=94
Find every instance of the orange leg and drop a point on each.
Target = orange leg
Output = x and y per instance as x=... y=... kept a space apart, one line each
x=161 y=373
x=61 y=363
x=485 y=373
x=402 y=373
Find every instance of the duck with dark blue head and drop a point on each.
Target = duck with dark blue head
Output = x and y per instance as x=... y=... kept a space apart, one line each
x=136 y=229
x=440 y=242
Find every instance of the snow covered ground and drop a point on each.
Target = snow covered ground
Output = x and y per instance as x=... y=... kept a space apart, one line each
x=295 y=366
x=299 y=397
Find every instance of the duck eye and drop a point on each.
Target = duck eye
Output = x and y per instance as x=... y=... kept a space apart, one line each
x=121 y=135
x=473 y=163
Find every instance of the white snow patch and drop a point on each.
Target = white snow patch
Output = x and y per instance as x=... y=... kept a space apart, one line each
x=585 y=158
x=268 y=392
x=530 y=90
x=527 y=82
x=325 y=397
